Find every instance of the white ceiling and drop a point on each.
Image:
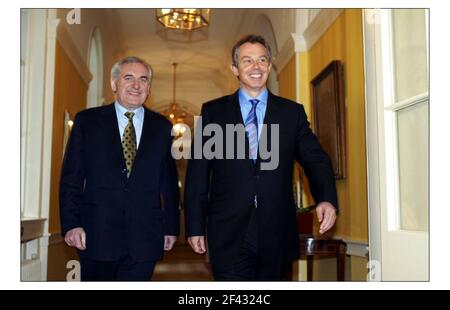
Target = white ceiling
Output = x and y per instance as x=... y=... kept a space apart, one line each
x=203 y=56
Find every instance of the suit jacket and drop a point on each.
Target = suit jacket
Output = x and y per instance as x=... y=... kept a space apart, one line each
x=120 y=215
x=220 y=192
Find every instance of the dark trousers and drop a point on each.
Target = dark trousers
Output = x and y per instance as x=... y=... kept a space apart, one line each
x=250 y=264
x=124 y=269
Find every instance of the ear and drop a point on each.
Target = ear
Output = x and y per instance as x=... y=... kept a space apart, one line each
x=234 y=69
x=113 y=86
x=269 y=68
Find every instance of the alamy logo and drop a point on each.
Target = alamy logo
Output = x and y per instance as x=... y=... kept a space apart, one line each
x=74 y=273
x=374 y=273
x=74 y=17
x=211 y=140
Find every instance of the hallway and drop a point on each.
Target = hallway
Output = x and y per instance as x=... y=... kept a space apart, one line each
x=182 y=264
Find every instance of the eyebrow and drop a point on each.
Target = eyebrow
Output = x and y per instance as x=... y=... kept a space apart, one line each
x=262 y=56
x=130 y=75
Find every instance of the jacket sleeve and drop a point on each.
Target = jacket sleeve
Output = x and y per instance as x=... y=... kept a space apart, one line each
x=197 y=183
x=170 y=193
x=315 y=162
x=72 y=179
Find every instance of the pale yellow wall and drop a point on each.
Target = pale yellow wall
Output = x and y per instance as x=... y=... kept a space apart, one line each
x=325 y=269
x=287 y=81
x=343 y=41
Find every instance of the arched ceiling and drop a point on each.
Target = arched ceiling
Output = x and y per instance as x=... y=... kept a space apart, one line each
x=203 y=56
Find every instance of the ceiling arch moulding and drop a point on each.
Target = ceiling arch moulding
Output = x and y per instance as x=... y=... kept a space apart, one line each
x=321 y=21
x=312 y=31
x=285 y=54
x=264 y=25
x=64 y=38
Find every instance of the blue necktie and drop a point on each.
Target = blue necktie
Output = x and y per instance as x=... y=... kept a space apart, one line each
x=251 y=127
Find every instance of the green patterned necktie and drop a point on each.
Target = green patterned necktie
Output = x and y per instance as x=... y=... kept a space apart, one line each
x=129 y=143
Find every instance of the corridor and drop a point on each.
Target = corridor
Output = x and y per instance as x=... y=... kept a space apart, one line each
x=182 y=264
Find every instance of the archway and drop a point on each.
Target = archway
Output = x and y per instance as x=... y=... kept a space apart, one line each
x=95 y=63
x=263 y=26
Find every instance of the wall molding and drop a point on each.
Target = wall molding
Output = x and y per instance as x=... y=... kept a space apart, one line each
x=284 y=55
x=65 y=40
x=303 y=42
x=357 y=248
x=36 y=136
x=318 y=26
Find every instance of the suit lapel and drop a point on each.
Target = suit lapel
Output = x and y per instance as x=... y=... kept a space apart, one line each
x=270 y=118
x=109 y=124
x=145 y=136
x=236 y=118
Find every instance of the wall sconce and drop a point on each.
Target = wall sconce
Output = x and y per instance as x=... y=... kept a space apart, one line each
x=68 y=123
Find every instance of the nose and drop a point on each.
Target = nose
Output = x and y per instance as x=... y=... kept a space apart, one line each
x=136 y=84
x=255 y=64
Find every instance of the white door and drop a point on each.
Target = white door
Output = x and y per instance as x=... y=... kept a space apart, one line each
x=397 y=102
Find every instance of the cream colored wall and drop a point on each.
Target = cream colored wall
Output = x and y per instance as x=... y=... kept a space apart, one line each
x=282 y=24
x=81 y=36
x=343 y=41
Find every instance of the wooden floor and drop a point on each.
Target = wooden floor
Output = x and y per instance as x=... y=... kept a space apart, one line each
x=182 y=264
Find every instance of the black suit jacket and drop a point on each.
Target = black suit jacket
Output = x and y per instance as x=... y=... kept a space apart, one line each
x=119 y=215
x=219 y=192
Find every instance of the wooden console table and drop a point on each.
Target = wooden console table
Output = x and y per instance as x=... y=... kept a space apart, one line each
x=315 y=246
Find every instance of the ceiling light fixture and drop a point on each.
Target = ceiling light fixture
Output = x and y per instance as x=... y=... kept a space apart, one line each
x=183 y=19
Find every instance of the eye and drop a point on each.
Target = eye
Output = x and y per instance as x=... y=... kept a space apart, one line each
x=263 y=60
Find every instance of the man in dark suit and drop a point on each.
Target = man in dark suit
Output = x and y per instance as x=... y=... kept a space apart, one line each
x=247 y=211
x=117 y=167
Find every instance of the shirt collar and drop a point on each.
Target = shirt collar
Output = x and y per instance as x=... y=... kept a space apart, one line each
x=138 y=113
x=262 y=97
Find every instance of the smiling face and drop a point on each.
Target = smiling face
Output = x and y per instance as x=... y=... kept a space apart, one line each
x=253 y=68
x=132 y=87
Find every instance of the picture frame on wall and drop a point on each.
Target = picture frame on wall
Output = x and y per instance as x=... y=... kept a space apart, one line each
x=328 y=104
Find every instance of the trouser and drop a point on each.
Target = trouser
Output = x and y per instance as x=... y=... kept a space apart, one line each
x=250 y=264
x=124 y=269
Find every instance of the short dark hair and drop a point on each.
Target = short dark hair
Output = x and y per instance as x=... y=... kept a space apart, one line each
x=251 y=38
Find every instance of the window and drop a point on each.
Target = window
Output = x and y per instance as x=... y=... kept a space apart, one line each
x=406 y=118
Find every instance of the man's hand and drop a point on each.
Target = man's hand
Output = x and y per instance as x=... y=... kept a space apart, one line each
x=76 y=237
x=326 y=214
x=169 y=242
x=197 y=244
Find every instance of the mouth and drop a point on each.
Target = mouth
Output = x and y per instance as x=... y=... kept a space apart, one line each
x=255 y=76
x=134 y=93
